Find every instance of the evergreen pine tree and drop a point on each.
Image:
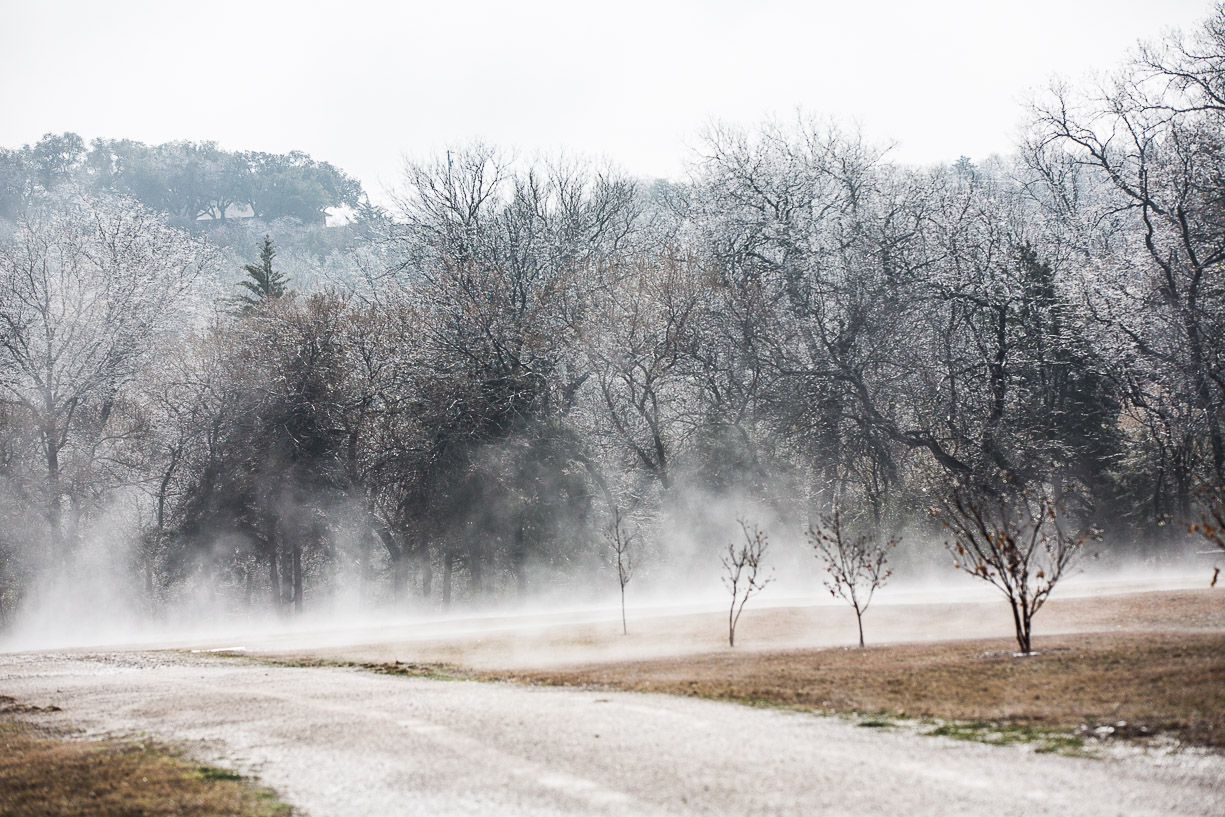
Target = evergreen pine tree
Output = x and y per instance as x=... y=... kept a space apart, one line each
x=264 y=282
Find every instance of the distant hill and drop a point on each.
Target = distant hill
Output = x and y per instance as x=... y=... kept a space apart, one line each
x=189 y=181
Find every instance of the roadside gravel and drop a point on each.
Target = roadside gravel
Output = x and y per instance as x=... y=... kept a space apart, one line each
x=339 y=742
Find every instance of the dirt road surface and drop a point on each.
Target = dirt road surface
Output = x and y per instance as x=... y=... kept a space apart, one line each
x=344 y=742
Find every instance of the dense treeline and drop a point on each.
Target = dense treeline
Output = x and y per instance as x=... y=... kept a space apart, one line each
x=516 y=357
x=188 y=181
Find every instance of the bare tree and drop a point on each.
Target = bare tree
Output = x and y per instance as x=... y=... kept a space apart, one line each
x=856 y=565
x=1151 y=137
x=638 y=341
x=89 y=289
x=743 y=573
x=620 y=541
x=1212 y=527
x=501 y=260
x=1016 y=542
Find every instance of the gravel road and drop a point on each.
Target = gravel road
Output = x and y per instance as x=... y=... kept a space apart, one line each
x=345 y=742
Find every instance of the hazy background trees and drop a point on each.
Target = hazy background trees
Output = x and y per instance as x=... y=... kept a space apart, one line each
x=457 y=397
x=89 y=290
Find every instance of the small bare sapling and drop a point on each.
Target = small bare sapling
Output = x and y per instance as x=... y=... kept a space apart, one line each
x=1015 y=542
x=744 y=573
x=856 y=565
x=620 y=542
x=1212 y=527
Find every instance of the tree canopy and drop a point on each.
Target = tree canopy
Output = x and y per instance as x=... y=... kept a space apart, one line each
x=187 y=180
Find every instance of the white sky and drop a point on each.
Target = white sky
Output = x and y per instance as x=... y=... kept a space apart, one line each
x=363 y=83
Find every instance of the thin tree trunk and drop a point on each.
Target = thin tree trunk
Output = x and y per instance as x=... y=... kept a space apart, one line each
x=448 y=568
x=149 y=592
x=519 y=558
x=274 y=583
x=1020 y=620
x=286 y=579
x=55 y=504
x=624 y=627
x=364 y=544
x=476 y=571
x=427 y=570
x=297 y=576
x=399 y=576
x=397 y=553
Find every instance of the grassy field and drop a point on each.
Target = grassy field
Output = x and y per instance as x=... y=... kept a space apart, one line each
x=1136 y=666
x=1124 y=685
x=43 y=774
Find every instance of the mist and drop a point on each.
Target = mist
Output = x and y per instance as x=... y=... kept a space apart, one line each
x=226 y=409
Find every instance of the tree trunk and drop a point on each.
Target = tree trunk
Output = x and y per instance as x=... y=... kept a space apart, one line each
x=399 y=576
x=55 y=504
x=1203 y=389
x=448 y=568
x=624 y=628
x=1021 y=619
x=149 y=592
x=274 y=584
x=1182 y=487
x=476 y=571
x=363 y=570
x=297 y=576
x=286 y=579
x=396 y=553
x=426 y=566
x=519 y=561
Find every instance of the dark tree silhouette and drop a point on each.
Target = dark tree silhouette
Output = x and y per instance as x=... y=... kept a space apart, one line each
x=263 y=281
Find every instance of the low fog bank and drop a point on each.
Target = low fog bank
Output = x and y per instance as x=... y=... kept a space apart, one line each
x=545 y=636
x=327 y=577
x=102 y=602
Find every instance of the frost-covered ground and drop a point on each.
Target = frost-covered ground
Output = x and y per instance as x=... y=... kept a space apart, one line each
x=538 y=638
x=346 y=742
x=342 y=741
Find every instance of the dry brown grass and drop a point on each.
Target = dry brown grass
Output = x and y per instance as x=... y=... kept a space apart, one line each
x=1157 y=683
x=45 y=775
x=1153 y=659
x=550 y=640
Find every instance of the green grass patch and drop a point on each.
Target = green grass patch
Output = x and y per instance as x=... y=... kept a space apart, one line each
x=213 y=773
x=996 y=734
x=433 y=672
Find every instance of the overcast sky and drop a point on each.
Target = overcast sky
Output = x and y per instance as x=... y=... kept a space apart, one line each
x=362 y=84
